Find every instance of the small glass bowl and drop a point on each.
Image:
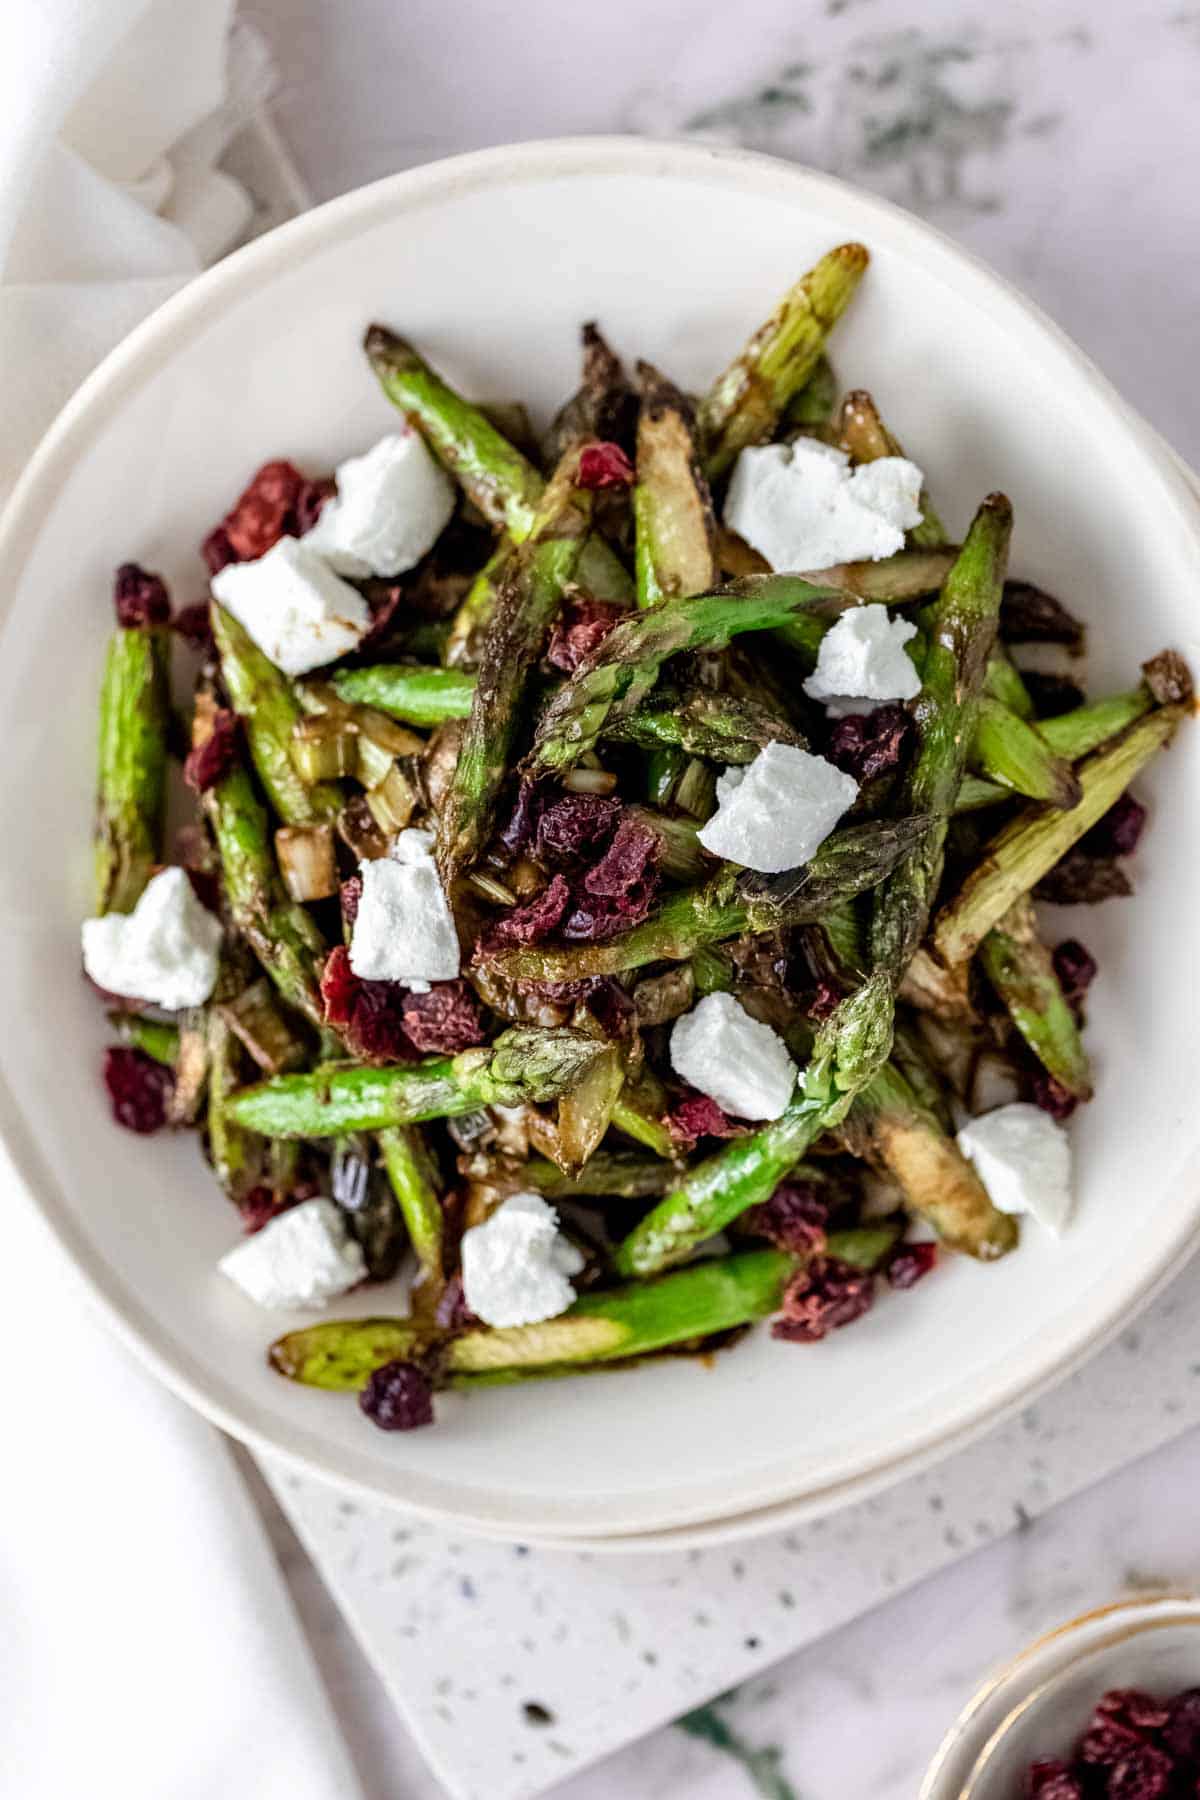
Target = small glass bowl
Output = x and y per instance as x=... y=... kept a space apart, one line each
x=1038 y=1704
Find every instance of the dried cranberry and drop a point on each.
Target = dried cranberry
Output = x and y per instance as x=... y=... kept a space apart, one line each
x=310 y=502
x=604 y=466
x=698 y=1116
x=279 y=502
x=1119 y=831
x=1075 y=967
x=262 y=1204
x=825 y=1001
x=1181 y=1731
x=1107 y=1740
x=194 y=625
x=793 y=1219
x=869 y=744
x=619 y=889
x=1051 y=1095
x=398 y=1397
x=1029 y=615
x=581 y=629
x=519 y=832
x=530 y=923
x=212 y=760
x=369 y=1014
x=908 y=1262
x=139 y=1088
x=140 y=598
x=1051 y=1781
x=1052 y=695
x=1144 y=1774
x=217 y=550
x=444 y=1020
x=351 y=894
x=821 y=1299
x=577 y=826
x=1080 y=879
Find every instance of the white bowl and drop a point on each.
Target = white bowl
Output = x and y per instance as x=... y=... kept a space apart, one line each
x=1039 y=1704
x=490 y=262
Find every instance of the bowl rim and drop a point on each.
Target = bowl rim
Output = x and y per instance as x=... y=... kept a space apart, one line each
x=774 y=1501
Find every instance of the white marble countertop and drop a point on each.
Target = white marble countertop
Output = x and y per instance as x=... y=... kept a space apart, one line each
x=1059 y=142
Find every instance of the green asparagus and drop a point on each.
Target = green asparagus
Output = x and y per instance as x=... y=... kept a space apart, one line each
x=414 y=695
x=410 y=1170
x=269 y=711
x=132 y=787
x=1021 y=969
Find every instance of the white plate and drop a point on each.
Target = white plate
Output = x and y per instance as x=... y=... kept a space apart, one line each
x=490 y=261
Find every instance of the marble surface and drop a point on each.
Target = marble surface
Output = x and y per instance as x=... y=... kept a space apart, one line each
x=1059 y=142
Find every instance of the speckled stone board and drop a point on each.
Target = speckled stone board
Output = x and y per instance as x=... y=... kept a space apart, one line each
x=515 y=1667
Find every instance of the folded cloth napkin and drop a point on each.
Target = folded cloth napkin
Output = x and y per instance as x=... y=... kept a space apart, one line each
x=148 y=1649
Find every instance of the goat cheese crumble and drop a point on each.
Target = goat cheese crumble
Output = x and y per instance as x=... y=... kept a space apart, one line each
x=863 y=657
x=391 y=506
x=165 y=951
x=404 y=930
x=804 y=507
x=777 y=811
x=301 y=1259
x=296 y=609
x=1023 y=1159
x=516 y=1266
x=737 y=1061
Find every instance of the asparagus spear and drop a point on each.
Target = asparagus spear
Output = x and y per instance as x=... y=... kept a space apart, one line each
x=412 y=694
x=639 y=1113
x=1074 y=734
x=731 y=903
x=502 y=483
x=532 y=596
x=607 y=1175
x=672 y=505
x=618 y=677
x=525 y=1063
x=1028 y=848
x=621 y=1323
x=154 y=1039
x=744 y=404
x=1021 y=969
x=411 y=1174
x=1015 y=754
x=704 y=723
x=810 y=409
x=234 y=1153
x=281 y=932
x=945 y=711
x=131 y=792
x=1003 y=682
x=263 y=699
x=939 y=1184
x=864 y=435
x=602 y=406
x=850 y=1046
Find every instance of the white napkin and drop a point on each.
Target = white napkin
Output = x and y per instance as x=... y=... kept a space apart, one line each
x=148 y=1648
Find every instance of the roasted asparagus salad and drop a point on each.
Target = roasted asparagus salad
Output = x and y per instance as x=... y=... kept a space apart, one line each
x=608 y=914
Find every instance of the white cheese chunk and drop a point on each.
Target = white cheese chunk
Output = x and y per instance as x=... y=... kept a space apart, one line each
x=516 y=1266
x=776 y=812
x=391 y=506
x=301 y=1259
x=1023 y=1159
x=412 y=845
x=165 y=951
x=404 y=930
x=862 y=657
x=803 y=507
x=296 y=609
x=737 y=1061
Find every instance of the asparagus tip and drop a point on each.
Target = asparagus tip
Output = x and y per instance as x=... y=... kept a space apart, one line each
x=384 y=345
x=999 y=506
x=855 y=256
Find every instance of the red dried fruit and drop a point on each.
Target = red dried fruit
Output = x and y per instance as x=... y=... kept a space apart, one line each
x=1080 y=879
x=1181 y=1731
x=604 y=465
x=212 y=760
x=793 y=1219
x=576 y=827
x=1052 y=694
x=581 y=628
x=310 y=502
x=279 y=502
x=194 y=625
x=398 y=1397
x=139 y=1088
x=823 y=1298
x=698 y=1116
x=869 y=744
x=443 y=1021
x=618 y=891
x=1107 y=1740
x=1075 y=967
x=1051 y=1781
x=368 y=1014
x=530 y=923
x=140 y=598
x=1051 y=1095
x=1145 y=1774
x=351 y=894
x=524 y=819
x=825 y=1001
x=1119 y=831
x=909 y=1262
x=262 y=1204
